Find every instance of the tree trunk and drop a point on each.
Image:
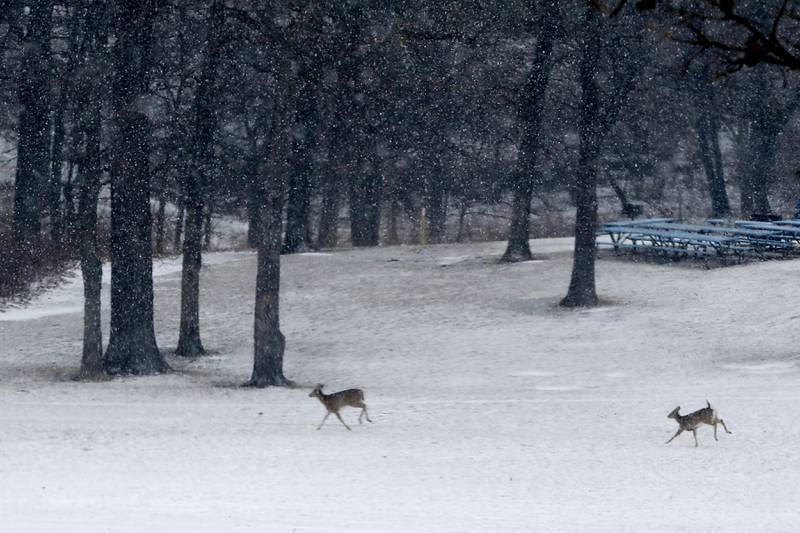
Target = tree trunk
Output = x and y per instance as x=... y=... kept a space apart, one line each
x=161 y=216
x=436 y=199
x=56 y=166
x=70 y=217
x=253 y=216
x=582 y=290
x=91 y=265
x=33 y=132
x=365 y=207
x=132 y=347
x=707 y=130
x=392 y=233
x=328 y=234
x=208 y=227
x=706 y=138
x=298 y=207
x=763 y=140
x=189 y=343
x=269 y=343
x=530 y=113
x=177 y=240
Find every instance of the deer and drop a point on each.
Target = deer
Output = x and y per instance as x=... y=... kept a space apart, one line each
x=337 y=400
x=690 y=422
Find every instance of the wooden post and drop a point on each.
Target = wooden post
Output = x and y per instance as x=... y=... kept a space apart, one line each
x=423 y=226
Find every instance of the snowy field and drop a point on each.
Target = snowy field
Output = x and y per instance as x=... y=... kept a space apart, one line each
x=493 y=409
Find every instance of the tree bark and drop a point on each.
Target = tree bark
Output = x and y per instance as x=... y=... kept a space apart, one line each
x=208 y=226
x=365 y=207
x=582 y=290
x=177 y=240
x=56 y=165
x=764 y=131
x=269 y=342
x=530 y=113
x=253 y=216
x=189 y=343
x=392 y=233
x=298 y=207
x=706 y=128
x=161 y=219
x=33 y=133
x=707 y=137
x=436 y=199
x=91 y=265
x=328 y=234
x=132 y=347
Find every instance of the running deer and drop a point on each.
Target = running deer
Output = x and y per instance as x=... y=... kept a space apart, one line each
x=337 y=400
x=690 y=422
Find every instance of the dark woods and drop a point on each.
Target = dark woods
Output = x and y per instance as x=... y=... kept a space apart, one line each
x=130 y=124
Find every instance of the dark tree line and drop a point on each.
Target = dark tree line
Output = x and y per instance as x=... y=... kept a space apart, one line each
x=403 y=114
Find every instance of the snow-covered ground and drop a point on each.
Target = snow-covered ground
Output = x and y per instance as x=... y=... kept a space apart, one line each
x=493 y=409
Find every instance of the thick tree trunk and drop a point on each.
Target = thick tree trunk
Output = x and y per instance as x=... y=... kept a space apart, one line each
x=436 y=199
x=189 y=343
x=518 y=248
x=297 y=210
x=33 y=133
x=392 y=233
x=462 y=215
x=253 y=216
x=91 y=265
x=706 y=128
x=530 y=113
x=582 y=290
x=208 y=226
x=177 y=241
x=132 y=347
x=269 y=343
x=328 y=234
x=763 y=140
x=161 y=220
x=56 y=166
x=365 y=207
x=706 y=138
x=298 y=207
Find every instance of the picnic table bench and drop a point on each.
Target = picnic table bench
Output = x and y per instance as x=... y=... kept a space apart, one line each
x=672 y=241
x=757 y=240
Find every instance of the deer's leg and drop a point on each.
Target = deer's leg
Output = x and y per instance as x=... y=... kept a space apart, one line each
x=694 y=432
x=715 y=430
x=721 y=421
x=324 y=418
x=342 y=421
x=364 y=411
x=675 y=435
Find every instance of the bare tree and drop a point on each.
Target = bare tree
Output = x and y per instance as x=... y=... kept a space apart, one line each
x=132 y=344
x=531 y=108
x=189 y=343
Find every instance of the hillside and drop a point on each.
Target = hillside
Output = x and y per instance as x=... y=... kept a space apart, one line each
x=493 y=409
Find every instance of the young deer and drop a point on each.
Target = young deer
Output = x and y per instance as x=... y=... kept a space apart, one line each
x=690 y=422
x=337 y=400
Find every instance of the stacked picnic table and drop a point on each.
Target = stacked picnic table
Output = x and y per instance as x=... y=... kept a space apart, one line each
x=715 y=238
